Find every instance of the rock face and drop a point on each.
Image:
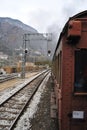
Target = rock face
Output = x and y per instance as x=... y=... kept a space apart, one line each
x=11 y=34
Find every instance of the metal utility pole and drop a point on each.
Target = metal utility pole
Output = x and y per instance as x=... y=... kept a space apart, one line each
x=49 y=39
x=24 y=52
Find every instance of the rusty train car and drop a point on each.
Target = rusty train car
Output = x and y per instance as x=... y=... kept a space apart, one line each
x=70 y=74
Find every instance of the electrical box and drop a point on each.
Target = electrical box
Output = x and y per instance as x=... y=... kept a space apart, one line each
x=74 y=29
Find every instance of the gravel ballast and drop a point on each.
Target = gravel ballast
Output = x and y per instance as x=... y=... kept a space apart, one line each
x=42 y=119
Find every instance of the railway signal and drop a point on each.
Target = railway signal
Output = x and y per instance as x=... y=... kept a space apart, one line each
x=35 y=36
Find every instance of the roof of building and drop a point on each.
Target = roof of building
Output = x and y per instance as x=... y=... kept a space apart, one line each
x=79 y=15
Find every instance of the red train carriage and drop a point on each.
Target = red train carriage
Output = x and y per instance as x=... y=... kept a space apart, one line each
x=70 y=70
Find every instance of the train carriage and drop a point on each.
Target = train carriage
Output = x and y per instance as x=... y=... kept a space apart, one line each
x=70 y=71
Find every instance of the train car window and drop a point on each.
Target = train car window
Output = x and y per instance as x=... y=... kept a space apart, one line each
x=80 y=71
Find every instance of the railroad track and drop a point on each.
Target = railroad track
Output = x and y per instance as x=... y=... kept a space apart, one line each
x=7 y=77
x=12 y=108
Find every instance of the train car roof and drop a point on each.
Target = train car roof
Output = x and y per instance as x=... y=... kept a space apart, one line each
x=79 y=15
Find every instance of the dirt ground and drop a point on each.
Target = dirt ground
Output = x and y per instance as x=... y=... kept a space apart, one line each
x=42 y=119
x=14 y=82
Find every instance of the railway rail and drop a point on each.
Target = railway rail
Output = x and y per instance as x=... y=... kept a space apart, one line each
x=7 y=77
x=13 y=106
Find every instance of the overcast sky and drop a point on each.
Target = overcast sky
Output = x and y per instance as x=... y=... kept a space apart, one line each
x=43 y=15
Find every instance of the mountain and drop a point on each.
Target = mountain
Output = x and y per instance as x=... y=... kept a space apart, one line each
x=11 y=34
x=11 y=38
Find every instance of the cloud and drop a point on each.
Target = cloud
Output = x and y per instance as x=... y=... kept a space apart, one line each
x=55 y=30
x=40 y=19
x=42 y=14
x=71 y=8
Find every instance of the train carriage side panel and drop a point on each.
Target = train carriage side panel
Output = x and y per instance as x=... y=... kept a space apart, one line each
x=70 y=70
